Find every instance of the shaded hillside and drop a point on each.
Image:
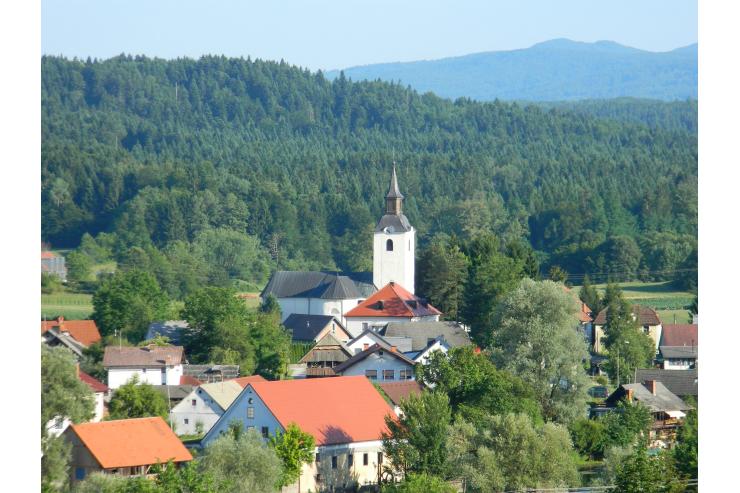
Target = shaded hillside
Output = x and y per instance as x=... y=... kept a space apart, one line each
x=177 y=156
x=555 y=70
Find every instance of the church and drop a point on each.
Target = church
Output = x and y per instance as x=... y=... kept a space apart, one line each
x=338 y=294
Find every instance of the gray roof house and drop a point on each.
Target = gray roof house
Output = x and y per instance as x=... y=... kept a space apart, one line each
x=423 y=333
x=310 y=328
x=651 y=394
x=683 y=383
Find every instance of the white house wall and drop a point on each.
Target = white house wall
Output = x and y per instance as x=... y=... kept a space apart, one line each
x=238 y=412
x=185 y=415
x=153 y=376
x=364 y=474
x=398 y=265
x=379 y=362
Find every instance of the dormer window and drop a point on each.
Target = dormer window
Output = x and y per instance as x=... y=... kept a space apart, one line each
x=389 y=246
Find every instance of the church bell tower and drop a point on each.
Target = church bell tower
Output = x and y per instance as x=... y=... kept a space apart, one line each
x=394 y=243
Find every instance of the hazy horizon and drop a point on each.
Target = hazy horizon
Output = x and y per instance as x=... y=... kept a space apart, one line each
x=331 y=34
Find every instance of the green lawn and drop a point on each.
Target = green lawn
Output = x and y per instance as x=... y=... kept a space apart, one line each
x=661 y=296
x=70 y=305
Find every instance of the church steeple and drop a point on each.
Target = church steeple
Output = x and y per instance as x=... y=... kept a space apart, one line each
x=394 y=198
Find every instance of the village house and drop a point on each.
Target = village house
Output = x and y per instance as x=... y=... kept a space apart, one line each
x=668 y=410
x=398 y=391
x=58 y=424
x=127 y=447
x=371 y=336
x=679 y=347
x=311 y=328
x=379 y=362
x=684 y=383
x=646 y=317
x=345 y=415
x=205 y=404
x=84 y=332
x=155 y=365
x=321 y=359
x=393 y=303
x=52 y=263
x=422 y=334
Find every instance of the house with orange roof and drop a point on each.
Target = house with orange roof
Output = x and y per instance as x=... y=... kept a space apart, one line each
x=128 y=447
x=393 y=303
x=345 y=415
x=84 y=332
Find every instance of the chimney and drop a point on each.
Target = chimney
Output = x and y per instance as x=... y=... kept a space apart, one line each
x=630 y=394
x=652 y=387
x=60 y=319
x=365 y=346
x=394 y=349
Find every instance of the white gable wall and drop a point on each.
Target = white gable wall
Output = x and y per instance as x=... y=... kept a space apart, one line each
x=238 y=411
x=196 y=407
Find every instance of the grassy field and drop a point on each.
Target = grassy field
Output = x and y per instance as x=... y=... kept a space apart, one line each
x=69 y=305
x=669 y=302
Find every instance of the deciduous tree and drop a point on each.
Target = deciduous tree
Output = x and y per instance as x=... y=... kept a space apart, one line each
x=137 y=400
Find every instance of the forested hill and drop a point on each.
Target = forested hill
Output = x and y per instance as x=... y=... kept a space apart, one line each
x=676 y=115
x=185 y=157
x=555 y=70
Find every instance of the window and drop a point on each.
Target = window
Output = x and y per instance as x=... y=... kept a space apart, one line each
x=371 y=374
x=389 y=246
x=318 y=458
x=186 y=421
x=333 y=461
x=380 y=457
x=365 y=459
x=405 y=374
x=389 y=375
x=250 y=412
x=318 y=478
x=265 y=432
x=79 y=473
x=350 y=460
x=192 y=402
x=250 y=400
x=365 y=326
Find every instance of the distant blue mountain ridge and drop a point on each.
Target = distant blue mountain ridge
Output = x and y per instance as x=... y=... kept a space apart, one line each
x=555 y=70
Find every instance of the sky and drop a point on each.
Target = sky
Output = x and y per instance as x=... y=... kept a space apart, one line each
x=331 y=34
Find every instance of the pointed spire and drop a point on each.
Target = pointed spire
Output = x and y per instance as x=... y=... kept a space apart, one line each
x=393 y=191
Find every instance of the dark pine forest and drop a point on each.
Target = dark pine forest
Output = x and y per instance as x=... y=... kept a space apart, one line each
x=252 y=166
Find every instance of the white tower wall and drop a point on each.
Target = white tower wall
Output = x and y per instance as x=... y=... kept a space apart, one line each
x=397 y=265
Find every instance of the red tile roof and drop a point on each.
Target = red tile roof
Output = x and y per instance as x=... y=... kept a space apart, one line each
x=584 y=314
x=393 y=301
x=334 y=410
x=95 y=385
x=131 y=442
x=48 y=255
x=188 y=380
x=680 y=335
x=243 y=381
x=645 y=316
x=398 y=391
x=83 y=331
